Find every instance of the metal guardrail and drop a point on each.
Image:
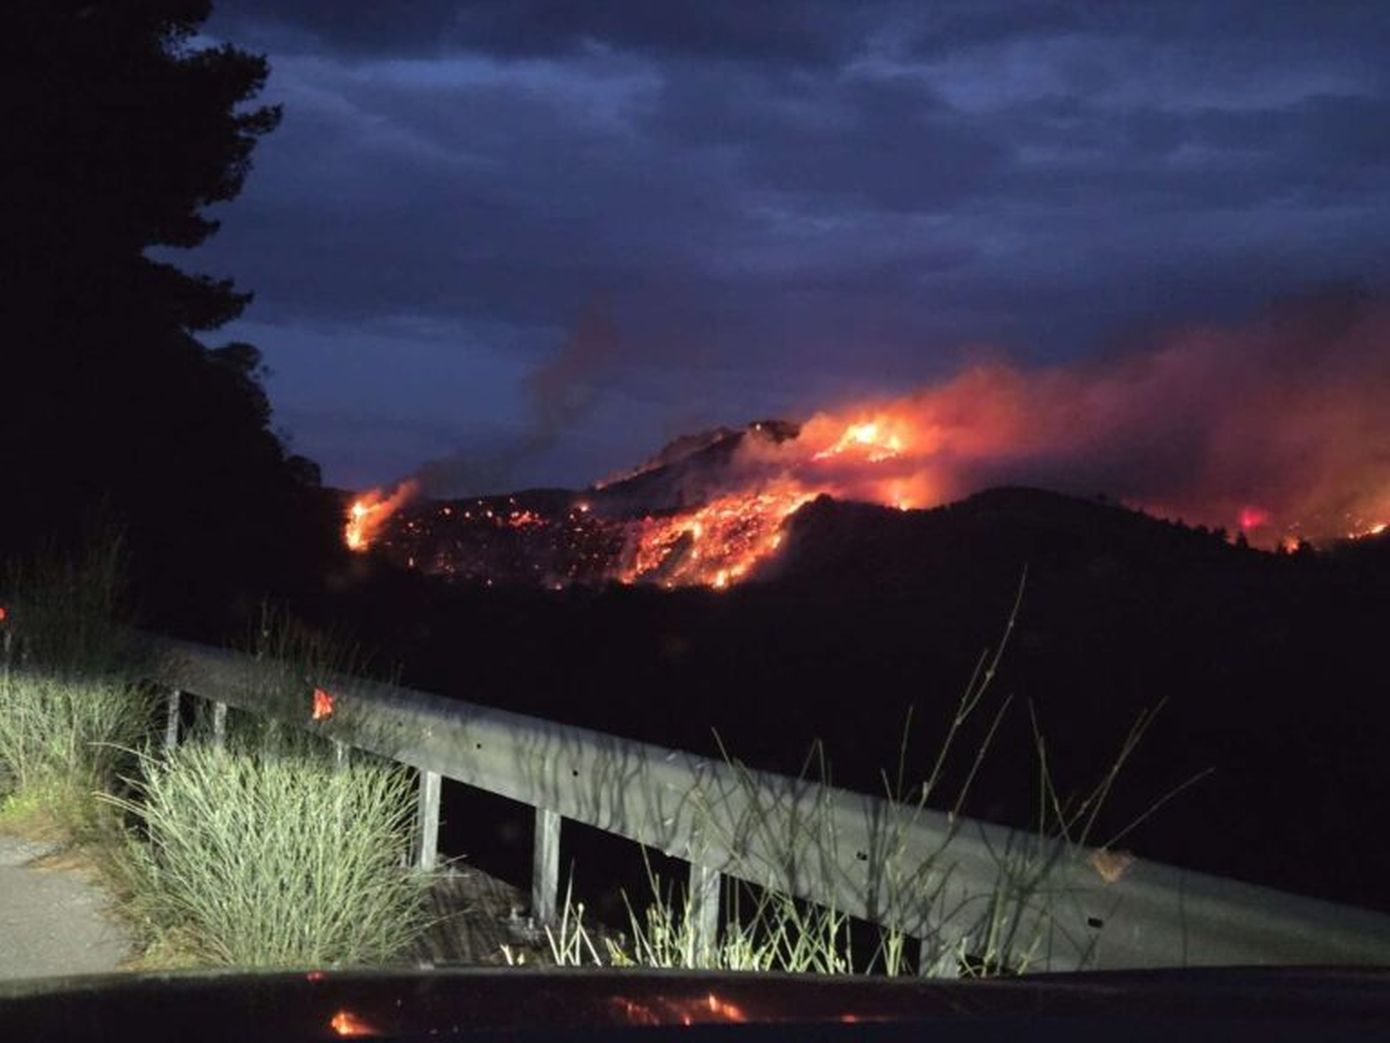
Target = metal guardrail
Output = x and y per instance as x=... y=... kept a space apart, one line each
x=959 y=885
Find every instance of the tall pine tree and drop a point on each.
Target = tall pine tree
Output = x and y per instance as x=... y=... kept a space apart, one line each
x=118 y=133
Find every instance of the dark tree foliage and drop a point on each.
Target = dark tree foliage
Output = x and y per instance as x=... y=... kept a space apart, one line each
x=118 y=133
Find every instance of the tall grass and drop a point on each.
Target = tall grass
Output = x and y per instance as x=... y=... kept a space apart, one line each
x=270 y=850
x=67 y=705
x=61 y=743
x=781 y=934
x=251 y=858
x=273 y=848
x=999 y=930
x=65 y=613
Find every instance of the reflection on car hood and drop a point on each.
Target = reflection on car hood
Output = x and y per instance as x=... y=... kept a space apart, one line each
x=518 y=1004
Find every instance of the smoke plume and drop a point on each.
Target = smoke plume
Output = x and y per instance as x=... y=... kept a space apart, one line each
x=1280 y=426
x=559 y=392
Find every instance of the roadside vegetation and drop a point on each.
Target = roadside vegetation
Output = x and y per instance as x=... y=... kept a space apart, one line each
x=67 y=707
x=256 y=841
x=247 y=858
x=1002 y=931
x=262 y=845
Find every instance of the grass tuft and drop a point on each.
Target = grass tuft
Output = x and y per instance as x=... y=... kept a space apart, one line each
x=247 y=859
x=61 y=743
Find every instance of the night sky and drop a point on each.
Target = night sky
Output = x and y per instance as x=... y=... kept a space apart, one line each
x=535 y=240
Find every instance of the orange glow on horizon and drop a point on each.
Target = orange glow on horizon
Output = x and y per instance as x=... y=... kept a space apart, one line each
x=1269 y=438
x=917 y=451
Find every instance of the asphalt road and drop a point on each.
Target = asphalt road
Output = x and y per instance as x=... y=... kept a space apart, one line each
x=51 y=920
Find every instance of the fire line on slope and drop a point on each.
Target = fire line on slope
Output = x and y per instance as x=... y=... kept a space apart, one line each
x=1274 y=431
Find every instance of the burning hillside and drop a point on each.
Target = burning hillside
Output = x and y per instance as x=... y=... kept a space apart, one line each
x=1277 y=431
x=664 y=523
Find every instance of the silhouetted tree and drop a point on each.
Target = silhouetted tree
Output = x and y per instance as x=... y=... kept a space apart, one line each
x=118 y=133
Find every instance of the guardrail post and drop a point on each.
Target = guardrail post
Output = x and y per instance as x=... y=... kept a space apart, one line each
x=704 y=910
x=219 y=724
x=545 y=866
x=427 y=821
x=171 y=721
x=340 y=754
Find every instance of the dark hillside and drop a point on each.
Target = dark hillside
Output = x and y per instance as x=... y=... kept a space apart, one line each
x=1268 y=667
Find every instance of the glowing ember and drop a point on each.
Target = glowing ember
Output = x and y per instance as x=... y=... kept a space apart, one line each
x=347 y=1024
x=323 y=705
x=369 y=512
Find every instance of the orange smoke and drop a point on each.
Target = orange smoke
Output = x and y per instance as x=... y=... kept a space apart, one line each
x=1275 y=428
x=370 y=511
x=1278 y=429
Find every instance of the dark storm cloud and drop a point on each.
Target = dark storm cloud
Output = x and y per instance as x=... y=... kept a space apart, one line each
x=792 y=31
x=945 y=26
x=781 y=201
x=884 y=143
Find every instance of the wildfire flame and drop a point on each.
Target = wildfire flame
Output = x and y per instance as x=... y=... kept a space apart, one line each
x=1276 y=430
x=870 y=438
x=370 y=511
x=725 y=540
x=715 y=545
